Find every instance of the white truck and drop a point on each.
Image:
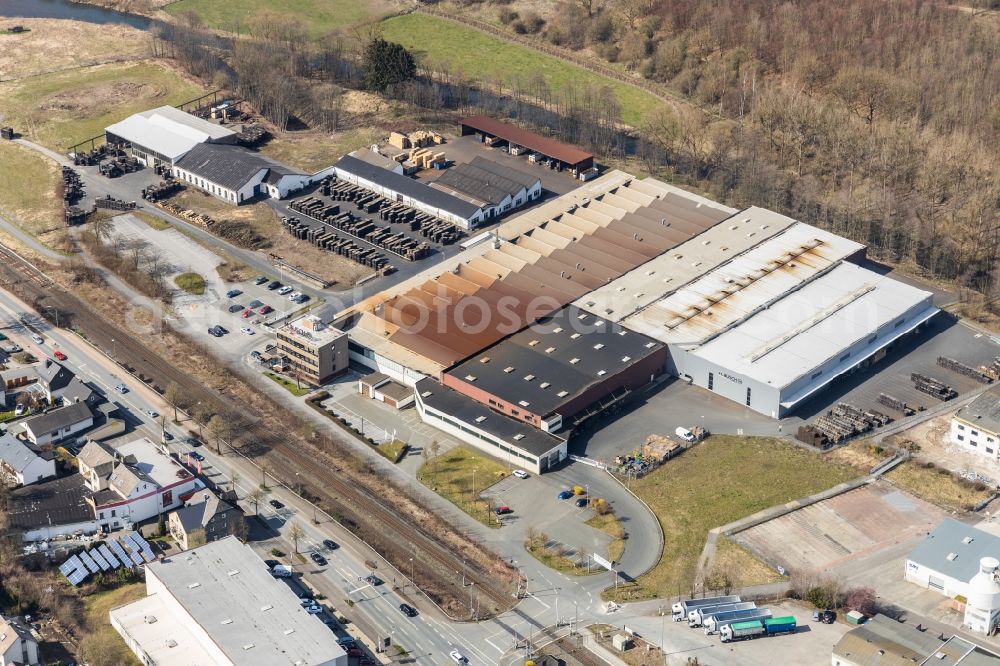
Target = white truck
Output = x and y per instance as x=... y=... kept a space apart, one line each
x=714 y=623
x=741 y=630
x=697 y=617
x=680 y=610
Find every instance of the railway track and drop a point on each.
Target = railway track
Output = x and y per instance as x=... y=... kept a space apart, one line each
x=388 y=531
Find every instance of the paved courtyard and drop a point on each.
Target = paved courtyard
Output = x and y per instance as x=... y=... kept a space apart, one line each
x=857 y=524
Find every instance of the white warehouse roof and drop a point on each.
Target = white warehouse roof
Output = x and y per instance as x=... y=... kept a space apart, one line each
x=675 y=268
x=168 y=131
x=727 y=294
x=815 y=323
x=224 y=590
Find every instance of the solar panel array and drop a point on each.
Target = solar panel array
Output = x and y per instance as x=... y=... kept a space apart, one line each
x=128 y=550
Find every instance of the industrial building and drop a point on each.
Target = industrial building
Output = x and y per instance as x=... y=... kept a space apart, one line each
x=560 y=371
x=218 y=605
x=976 y=427
x=236 y=175
x=961 y=562
x=764 y=310
x=161 y=136
x=316 y=351
x=414 y=193
x=512 y=441
x=494 y=188
x=887 y=642
x=519 y=140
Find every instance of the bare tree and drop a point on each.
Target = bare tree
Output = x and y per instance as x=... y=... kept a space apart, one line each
x=295 y=532
x=173 y=395
x=256 y=495
x=218 y=431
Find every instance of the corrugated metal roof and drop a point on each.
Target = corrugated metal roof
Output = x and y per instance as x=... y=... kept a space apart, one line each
x=528 y=139
x=168 y=131
x=806 y=327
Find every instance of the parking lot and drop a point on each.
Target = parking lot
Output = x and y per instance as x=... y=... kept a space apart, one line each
x=810 y=645
x=839 y=531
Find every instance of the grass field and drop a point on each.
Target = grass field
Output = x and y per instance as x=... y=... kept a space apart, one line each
x=744 y=568
x=609 y=524
x=53 y=44
x=153 y=221
x=721 y=480
x=28 y=188
x=451 y=476
x=936 y=485
x=312 y=151
x=102 y=638
x=318 y=17
x=192 y=283
x=64 y=108
x=481 y=56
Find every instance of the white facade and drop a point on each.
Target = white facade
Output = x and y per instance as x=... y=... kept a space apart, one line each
x=17 y=646
x=48 y=532
x=21 y=464
x=470 y=222
x=247 y=191
x=975 y=438
x=42 y=438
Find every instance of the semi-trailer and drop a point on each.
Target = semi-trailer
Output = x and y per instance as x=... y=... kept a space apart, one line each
x=716 y=622
x=739 y=631
x=681 y=609
x=779 y=625
x=697 y=617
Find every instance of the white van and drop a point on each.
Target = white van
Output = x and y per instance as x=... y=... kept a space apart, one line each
x=685 y=434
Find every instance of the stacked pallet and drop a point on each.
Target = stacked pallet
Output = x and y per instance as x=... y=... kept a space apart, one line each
x=963 y=369
x=932 y=386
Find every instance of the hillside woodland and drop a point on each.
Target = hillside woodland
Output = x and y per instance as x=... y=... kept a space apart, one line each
x=876 y=119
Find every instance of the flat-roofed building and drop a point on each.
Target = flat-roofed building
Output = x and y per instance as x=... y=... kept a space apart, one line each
x=217 y=605
x=316 y=351
x=976 y=427
x=882 y=641
x=560 y=371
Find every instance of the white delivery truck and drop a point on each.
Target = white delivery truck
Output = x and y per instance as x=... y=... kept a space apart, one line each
x=681 y=609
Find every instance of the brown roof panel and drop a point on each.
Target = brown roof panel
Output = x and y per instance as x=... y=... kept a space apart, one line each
x=623 y=254
x=522 y=137
x=597 y=267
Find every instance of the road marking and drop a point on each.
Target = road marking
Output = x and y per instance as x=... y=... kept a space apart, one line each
x=498 y=649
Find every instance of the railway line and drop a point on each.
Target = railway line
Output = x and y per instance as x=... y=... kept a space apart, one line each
x=387 y=530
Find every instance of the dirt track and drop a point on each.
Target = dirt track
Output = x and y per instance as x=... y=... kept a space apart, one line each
x=389 y=531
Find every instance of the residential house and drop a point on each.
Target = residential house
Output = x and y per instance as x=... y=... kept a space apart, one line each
x=134 y=482
x=60 y=382
x=203 y=519
x=58 y=424
x=17 y=645
x=22 y=463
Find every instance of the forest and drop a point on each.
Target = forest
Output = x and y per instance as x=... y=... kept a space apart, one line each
x=879 y=120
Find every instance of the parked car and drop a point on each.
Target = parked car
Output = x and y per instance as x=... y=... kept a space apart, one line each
x=318 y=559
x=503 y=509
x=294 y=295
x=582 y=502
x=458 y=657
x=248 y=330
x=254 y=304
x=408 y=610
x=346 y=642
x=373 y=580
x=255 y=355
x=2 y=337
x=267 y=309
x=276 y=504
x=330 y=544
x=565 y=494
x=685 y=434
x=59 y=355
x=196 y=456
x=11 y=348
x=20 y=409
x=214 y=332
x=152 y=414
x=167 y=437
x=247 y=313
x=315 y=609
x=271 y=563
x=192 y=442
x=284 y=290
x=274 y=285
x=39 y=340
x=302 y=298
x=236 y=307
x=222 y=329
x=520 y=473
x=233 y=293
x=261 y=280
x=281 y=571
x=121 y=388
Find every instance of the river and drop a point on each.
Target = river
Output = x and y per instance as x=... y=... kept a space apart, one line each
x=63 y=9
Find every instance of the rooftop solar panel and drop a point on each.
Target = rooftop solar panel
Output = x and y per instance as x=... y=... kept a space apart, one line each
x=120 y=553
x=108 y=556
x=91 y=564
x=97 y=557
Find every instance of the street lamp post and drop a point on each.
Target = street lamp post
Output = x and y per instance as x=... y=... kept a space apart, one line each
x=411 y=573
x=114 y=348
